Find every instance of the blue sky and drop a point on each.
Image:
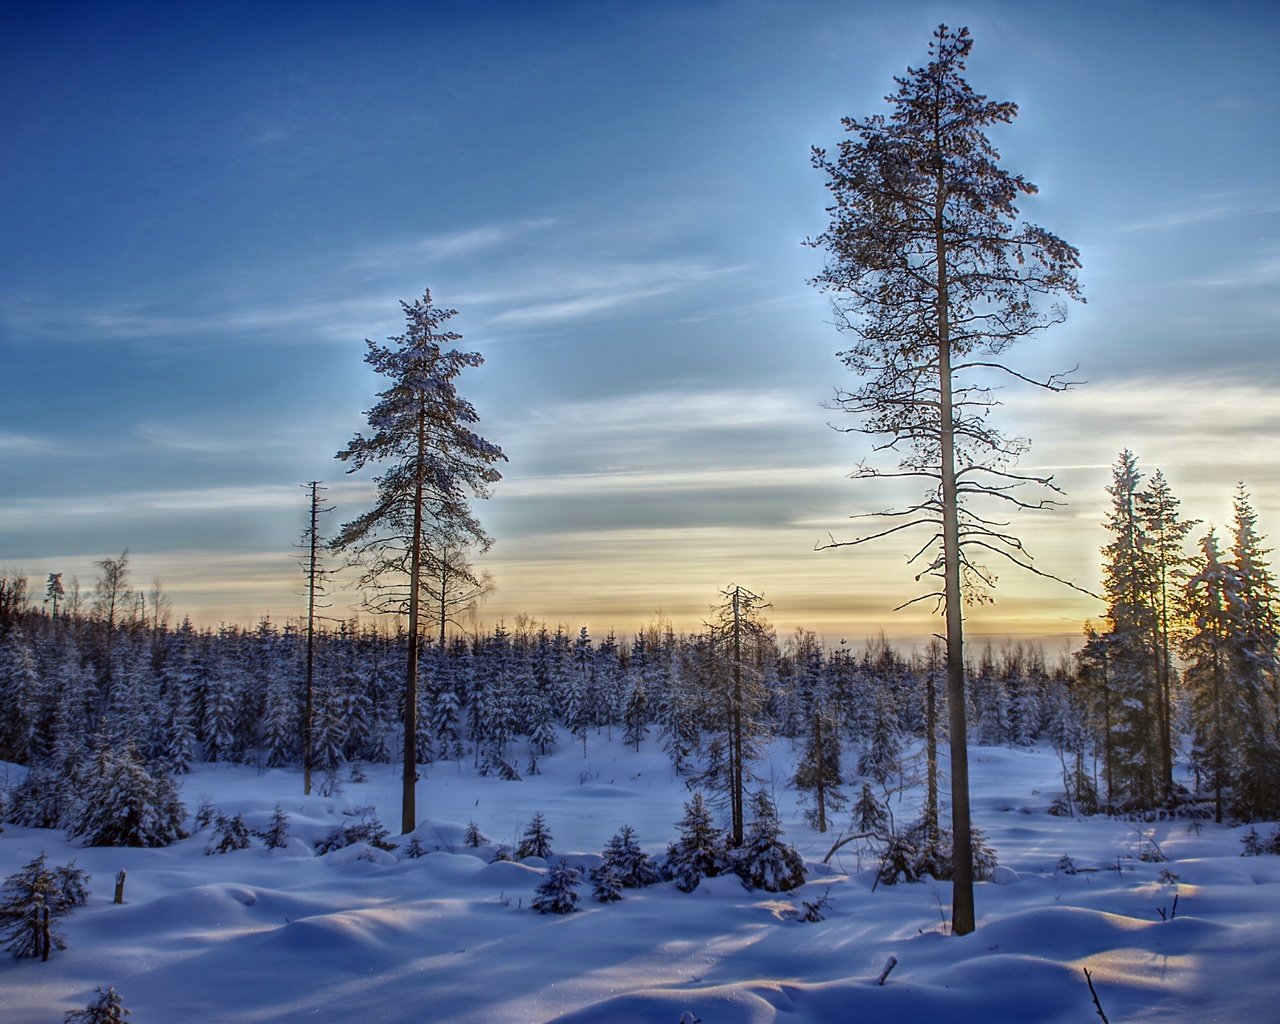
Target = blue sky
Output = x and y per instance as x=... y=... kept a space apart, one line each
x=207 y=210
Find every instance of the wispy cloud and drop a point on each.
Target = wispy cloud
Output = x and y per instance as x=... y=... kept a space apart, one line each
x=1263 y=271
x=448 y=245
x=18 y=511
x=1205 y=208
x=586 y=292
x=29 y=444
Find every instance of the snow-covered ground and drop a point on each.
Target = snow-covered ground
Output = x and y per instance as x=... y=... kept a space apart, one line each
x=366 y=936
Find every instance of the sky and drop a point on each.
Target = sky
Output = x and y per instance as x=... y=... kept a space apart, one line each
x=208 y=208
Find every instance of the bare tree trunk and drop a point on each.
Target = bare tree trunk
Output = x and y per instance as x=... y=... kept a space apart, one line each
x=962 y=910
x=736 y=742
x=408 y=809
x=308 y=706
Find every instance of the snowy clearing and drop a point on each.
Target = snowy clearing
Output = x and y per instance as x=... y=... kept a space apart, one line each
x=361 y=934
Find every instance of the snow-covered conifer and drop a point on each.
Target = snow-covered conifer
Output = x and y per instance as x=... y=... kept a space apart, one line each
x=126 y=804
x=606 y=886
x=108 y=1008
x=699 y=852
x=623 y=858
x=764 y=861
x=31 y=903
x=558 y=892
x=276 y=835
x=229 y=833
x=536 y=841
x=473 y=837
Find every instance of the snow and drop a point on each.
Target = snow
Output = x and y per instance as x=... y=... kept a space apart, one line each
x=362 y=934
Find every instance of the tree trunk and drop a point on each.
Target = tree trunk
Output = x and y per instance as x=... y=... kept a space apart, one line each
x=408 y=809
x=962 y=910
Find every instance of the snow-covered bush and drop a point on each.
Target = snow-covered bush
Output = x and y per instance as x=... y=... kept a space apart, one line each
x=558 y=892
x=414 y=849
x=47 y=796
x=1254 y=845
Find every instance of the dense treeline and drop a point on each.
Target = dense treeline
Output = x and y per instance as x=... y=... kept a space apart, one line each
x=76 y=685
x=107 y=703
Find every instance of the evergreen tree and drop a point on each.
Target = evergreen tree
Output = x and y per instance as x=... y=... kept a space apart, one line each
x=1133 y=687
x=558 y=892
x=700 y=851
x=126 y=804
x=765 y=861
x=1165 y=535
x=624 y=860
x=108 y=1008
x=738 y=644
x=33 y=901
x=1215 y=717
x=423 y=428
x=936 y=279
x=276 y=836
x=230 y=833
x=536 y=841
x=1254 y=664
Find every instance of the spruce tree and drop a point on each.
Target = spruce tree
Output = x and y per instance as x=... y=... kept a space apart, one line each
x=1215 y=721
x=536 y=841
x=1254 y=664
x=33 y=901
x=558 y=892
x=108 y=1008
x=764 y=860
x=700 y=851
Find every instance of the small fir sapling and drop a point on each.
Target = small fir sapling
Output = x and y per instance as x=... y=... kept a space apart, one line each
x=415 y=849
x=33 y=900
x=606 y=886
x=813 y=909
x=869 y=814
x=1254 y=845
x=558 y=892
x=369 y=829
x=764 y=861
x=473 y=837
x=106 y=1009
x=356 y=773
x=228 y=834
x=276 y=835
x=699 y=852
x=623 y=857
x=205 y=813
x=536 y=841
